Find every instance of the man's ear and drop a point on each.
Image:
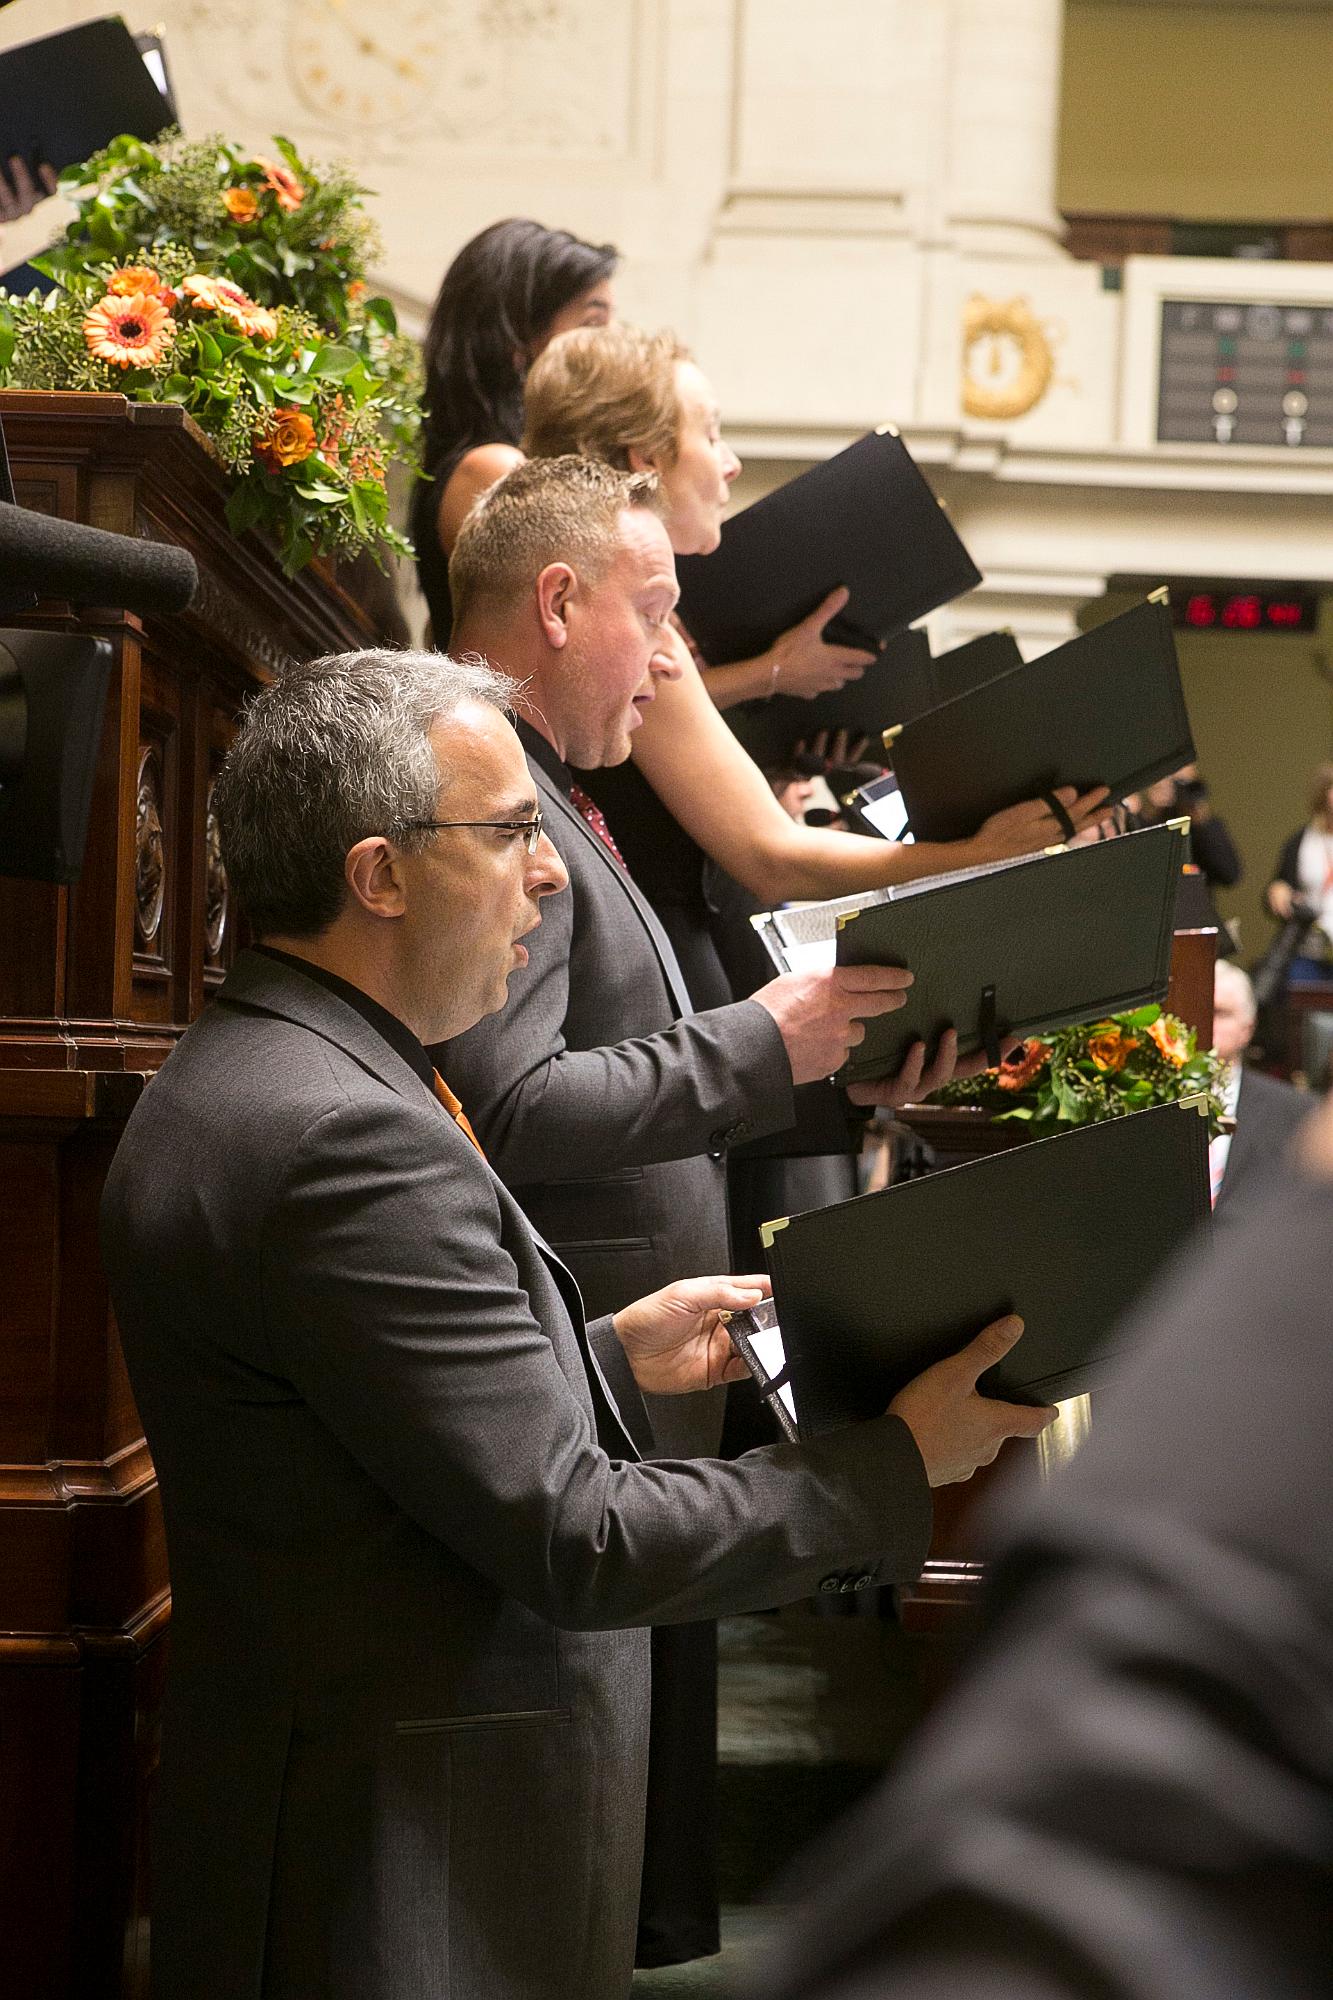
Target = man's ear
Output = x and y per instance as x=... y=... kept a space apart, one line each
x=642 y=461
x=557 y=588
x=374 y=874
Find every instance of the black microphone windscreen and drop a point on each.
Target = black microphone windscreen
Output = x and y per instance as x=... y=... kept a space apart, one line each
x=89 y=566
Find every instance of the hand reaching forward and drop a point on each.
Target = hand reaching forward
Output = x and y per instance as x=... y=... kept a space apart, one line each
x=820 y=1014
x=1025 y=828
x=955 y=1429
x=675 y=1339
x=803 y=664
x=919 y=1079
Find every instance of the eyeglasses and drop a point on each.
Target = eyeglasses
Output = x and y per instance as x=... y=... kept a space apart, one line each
x=531 y=829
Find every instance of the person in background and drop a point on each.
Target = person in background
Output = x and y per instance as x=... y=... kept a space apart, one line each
x=1303 y=880
x=506 y=294
x=1266 y=1110
x=1184 y=795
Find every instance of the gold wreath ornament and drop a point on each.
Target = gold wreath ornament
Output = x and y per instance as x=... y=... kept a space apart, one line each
x=1005 y=342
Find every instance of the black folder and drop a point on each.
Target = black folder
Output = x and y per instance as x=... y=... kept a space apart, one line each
x=1067 y=1232
x=1023 y=947
x=66 y=96
x=1107 y=708
x=865 y=518
x=898 y=683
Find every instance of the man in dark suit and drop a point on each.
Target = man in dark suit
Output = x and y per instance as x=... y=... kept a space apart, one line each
x=412 y=1542
x=1267 y=1111
x=603 y=1099
x=1130 y=1797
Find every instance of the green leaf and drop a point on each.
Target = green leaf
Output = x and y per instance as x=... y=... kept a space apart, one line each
x=1142 y=1017
x=326 y=496
x=382 y=312
x=209 y=350
x=335 y=361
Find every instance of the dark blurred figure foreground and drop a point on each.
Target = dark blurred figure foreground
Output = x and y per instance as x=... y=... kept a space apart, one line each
x=1130 y=1797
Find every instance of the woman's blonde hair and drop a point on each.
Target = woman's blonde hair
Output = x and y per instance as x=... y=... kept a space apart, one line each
x=602 y=390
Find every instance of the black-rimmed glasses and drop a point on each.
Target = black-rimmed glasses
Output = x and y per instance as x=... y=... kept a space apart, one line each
x=531 y=829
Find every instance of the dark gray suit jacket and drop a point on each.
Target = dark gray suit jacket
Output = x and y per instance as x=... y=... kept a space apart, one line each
x=1268 y=1115
x=605 y=1102
x=410 y=1538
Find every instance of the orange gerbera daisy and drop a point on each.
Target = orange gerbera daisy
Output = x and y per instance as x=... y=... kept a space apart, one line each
x=287 y=440
x=286 y=188
x=241 y=203
x=132 y=332
x=220 y=295
x=1022 y=1064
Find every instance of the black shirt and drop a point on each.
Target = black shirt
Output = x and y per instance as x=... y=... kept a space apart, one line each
x=395 y=1032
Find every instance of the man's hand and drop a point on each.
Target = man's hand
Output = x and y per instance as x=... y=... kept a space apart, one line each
x=955 y=1429
x=819 y=1014
x=1026 y=828
x=803 y=664
x=19 y=192
x=676 y=1340
x=919 y=1079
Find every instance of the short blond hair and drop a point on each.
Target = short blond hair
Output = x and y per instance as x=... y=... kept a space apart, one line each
x=546 y=510
x=602 y=390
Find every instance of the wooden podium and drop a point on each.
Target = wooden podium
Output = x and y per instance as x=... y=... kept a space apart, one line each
x=96 y=983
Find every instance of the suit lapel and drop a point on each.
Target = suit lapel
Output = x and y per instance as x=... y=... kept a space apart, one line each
x=579 y=829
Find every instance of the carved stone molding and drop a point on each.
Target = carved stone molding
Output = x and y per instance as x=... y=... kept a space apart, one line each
x=150 y=853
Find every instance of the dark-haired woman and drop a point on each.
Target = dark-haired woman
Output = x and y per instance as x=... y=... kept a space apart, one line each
x=508 y=292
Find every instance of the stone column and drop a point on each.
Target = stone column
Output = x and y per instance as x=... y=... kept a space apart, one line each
x=1003 y=78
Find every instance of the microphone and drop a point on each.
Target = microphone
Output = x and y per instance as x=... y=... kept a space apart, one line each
x=89 y=566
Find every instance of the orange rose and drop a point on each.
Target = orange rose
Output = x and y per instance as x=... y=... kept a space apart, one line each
x=220 y=295
x=241 y=203
x=356 y=291
x=1172 y=1041
x=287 y=189
x=132 y=332
x=1110 y=1049
x=289 y=439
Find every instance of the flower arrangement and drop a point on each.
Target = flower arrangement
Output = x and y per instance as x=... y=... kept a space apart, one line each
x=235 y=285
x=1099 y=1070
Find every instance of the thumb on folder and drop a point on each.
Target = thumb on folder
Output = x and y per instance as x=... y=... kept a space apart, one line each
x=954 y=1428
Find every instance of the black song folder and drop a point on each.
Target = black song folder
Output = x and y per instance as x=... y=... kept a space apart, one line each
x=1020 y=947
x=1067 y=1232
x=1105 y=709
x=66 y=96
x=865 y=518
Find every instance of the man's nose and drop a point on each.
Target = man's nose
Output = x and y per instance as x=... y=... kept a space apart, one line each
x=547 y=873
x=731 y=465
x=664 y=665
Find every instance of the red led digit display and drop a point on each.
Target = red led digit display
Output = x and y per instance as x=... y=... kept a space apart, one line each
x=1223 y=608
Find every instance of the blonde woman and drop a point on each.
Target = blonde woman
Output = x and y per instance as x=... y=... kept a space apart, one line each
x=640 y=401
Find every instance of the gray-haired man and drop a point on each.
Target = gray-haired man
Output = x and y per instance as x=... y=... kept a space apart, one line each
x=411 y=1540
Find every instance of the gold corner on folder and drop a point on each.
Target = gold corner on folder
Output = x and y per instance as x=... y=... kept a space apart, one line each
x=890 y=736
x=768 y=1230
x=1159 y=596
x=886 y=430
x=846 y=917
x=1181 y=825
x=1198 y=1102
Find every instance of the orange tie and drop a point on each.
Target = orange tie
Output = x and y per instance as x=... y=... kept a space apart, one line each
x=456 y=1111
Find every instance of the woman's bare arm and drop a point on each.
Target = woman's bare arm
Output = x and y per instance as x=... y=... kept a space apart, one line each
x=477 y=470
x=722 y=799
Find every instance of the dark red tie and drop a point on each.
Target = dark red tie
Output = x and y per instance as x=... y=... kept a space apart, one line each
x=596 y=819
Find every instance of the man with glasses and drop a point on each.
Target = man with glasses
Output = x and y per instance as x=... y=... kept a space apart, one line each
x=413 y=1547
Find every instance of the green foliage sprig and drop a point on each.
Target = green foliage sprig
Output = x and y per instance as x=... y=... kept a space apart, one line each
x=234 y=284
x=1101 y=1069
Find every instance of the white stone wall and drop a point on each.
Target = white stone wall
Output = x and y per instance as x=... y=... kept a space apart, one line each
x=815 y=196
